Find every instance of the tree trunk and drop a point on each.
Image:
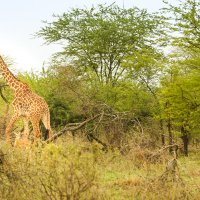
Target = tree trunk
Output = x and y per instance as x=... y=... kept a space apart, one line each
x=169 y=127
x=185 y=139
x=162 y=132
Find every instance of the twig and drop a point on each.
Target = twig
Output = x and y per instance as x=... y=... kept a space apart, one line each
x=100 y=119
x=138 y=122
x=99 y=141
x=166 y=147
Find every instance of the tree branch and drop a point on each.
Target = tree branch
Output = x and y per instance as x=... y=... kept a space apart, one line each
x=66 y=128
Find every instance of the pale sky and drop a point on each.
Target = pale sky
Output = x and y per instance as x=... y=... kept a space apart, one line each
x=20 y=19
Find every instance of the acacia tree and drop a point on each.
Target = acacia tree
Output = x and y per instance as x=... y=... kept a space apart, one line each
x=181 y=100
x=181 y=88
x=100 y=40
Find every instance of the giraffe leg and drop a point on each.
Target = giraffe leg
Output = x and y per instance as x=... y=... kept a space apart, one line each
x=46 y=122
x=9 y=127
x=26 y=127
x=36 y=128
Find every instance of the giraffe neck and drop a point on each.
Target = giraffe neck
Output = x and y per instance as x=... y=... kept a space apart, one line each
x=11 y=80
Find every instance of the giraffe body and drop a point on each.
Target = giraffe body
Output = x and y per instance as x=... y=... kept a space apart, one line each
x=26 y=104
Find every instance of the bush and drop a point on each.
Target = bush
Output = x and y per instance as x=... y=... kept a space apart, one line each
x=52 y=172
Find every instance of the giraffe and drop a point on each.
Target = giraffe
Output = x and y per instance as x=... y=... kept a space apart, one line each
x=26 y=104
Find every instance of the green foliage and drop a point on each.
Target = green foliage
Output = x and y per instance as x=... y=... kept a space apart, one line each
x=186 y=25
x=113 y=62
x=180 y=96
x=100 y=40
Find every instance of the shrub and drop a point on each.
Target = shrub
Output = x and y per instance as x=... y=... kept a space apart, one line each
x=50 y=172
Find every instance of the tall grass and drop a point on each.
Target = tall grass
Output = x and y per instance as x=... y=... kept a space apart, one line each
x=81 y=170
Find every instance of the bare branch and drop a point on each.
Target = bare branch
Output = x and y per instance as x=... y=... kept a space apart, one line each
x=66 y=128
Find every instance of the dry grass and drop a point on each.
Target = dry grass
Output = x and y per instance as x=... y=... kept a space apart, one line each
x=80 y=170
